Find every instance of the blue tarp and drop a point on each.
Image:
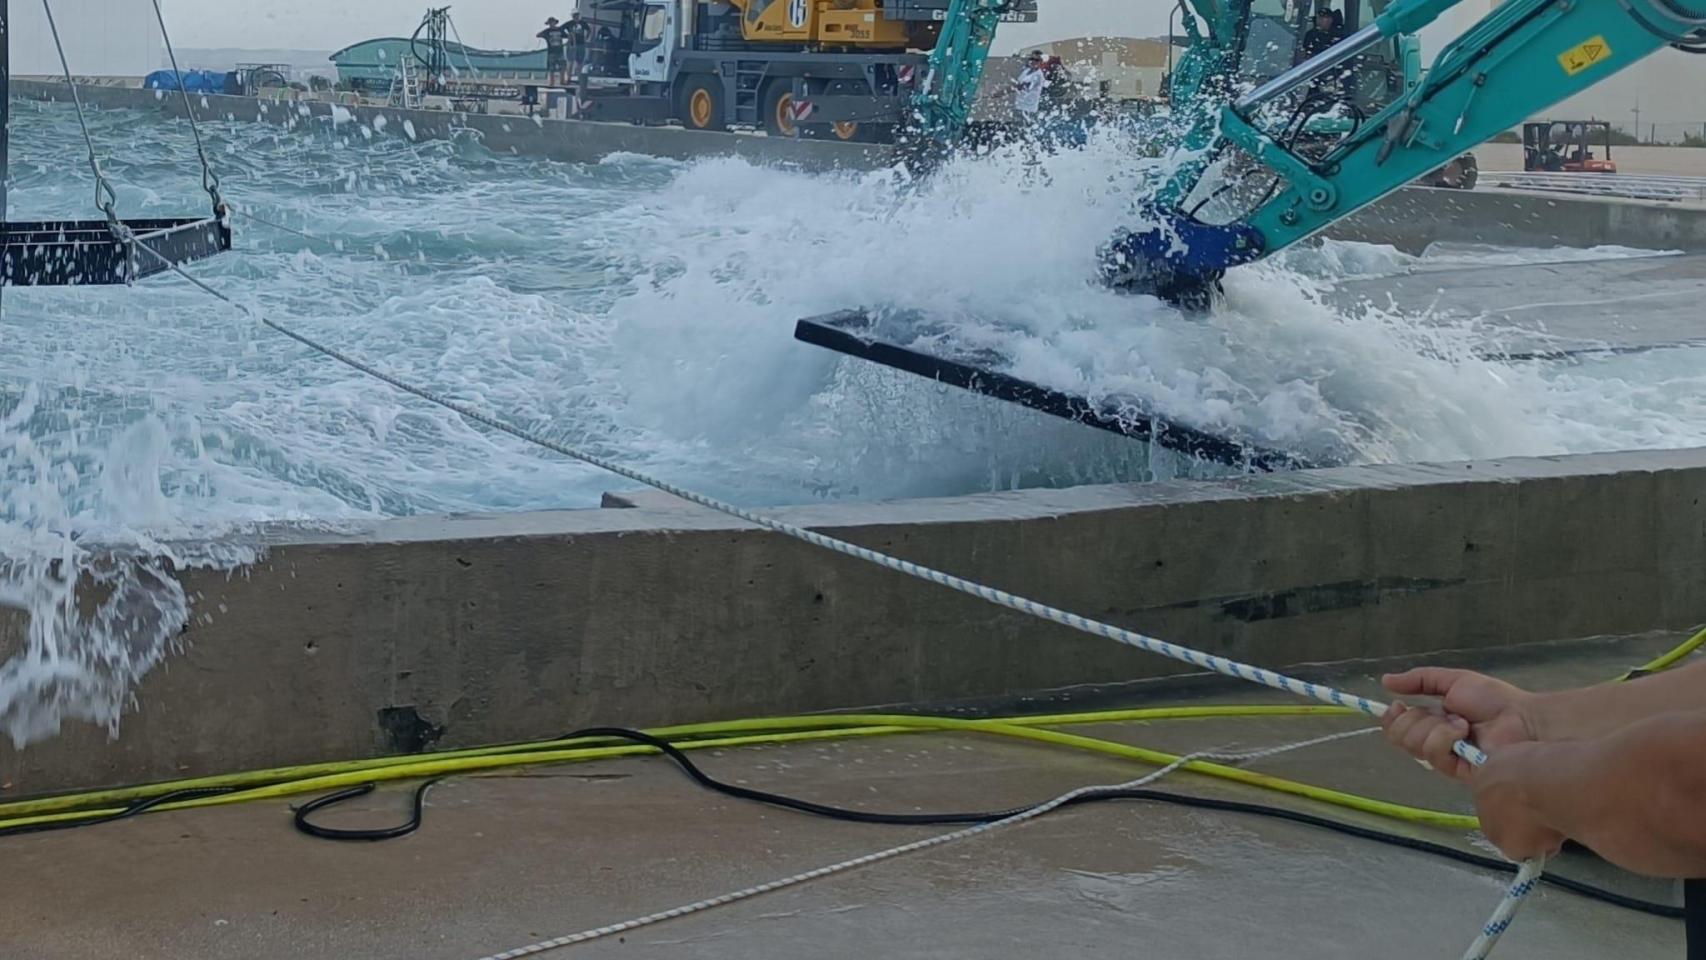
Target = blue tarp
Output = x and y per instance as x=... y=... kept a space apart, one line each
x=195 y=81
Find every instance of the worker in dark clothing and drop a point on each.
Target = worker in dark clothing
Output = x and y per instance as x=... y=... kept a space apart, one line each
x=1328 y=30
x=556 y=39
x=579 y=34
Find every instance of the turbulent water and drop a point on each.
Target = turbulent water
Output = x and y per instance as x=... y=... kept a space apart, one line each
x=644 y=309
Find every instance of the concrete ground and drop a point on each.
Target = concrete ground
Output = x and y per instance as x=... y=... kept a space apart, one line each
x=504 y=860
x=1626 y=303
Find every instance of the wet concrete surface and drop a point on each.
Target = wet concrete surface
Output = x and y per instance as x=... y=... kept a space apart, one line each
x=505 y=860
x=1631 y=303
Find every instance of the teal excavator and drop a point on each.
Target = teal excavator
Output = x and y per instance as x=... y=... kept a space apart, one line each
x=1266 y=156
x=1303 y=146
x=1258 y=187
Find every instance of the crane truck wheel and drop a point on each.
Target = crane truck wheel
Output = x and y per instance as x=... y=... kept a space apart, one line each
x=699 y=104
x=778 y=106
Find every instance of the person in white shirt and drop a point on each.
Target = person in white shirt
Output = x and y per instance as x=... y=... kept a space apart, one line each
x=1028 y=89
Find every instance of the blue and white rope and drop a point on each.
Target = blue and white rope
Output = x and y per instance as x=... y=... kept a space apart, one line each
x=936 y=841
x=1519 y=889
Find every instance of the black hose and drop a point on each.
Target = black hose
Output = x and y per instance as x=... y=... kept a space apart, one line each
x=369 y=834
x=705 y=780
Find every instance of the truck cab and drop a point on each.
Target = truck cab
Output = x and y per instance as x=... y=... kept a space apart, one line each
x=761 y=64
x=656 y=35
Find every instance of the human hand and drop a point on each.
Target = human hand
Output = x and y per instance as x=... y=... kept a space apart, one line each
x=1490 y=713
x=1506 y=788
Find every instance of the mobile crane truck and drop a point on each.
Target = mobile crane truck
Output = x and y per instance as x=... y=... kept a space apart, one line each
x=717 y=64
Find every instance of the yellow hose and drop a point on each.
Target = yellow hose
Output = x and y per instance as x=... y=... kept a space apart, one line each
x=304 y=778
x=835 y=723
x=1668 y=659
x=319 y=777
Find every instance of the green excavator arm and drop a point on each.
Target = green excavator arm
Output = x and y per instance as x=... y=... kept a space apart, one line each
x=1522 y=57
x=943 y=104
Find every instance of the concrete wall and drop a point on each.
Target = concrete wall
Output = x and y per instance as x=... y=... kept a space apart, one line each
x=456 y=631
x=1413 y=218
x=570 y=141
x=1409 y=219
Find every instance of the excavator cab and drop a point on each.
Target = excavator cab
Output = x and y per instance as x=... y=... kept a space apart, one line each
x=1283 y=33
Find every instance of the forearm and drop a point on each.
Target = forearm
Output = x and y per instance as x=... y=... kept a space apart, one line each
x=1600 y=710
x=1636 y=797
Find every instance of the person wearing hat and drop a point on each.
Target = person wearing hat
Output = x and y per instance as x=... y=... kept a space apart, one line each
x=1028 y=89
x=555 y=38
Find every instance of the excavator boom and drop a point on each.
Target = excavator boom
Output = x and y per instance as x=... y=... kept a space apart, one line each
x=944 y=102
x=1521 y=58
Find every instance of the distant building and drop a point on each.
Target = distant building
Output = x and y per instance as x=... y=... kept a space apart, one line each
x=102 y=38
x=1130 y=66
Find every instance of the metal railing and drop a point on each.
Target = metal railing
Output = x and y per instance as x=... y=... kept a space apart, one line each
x=1628 y=186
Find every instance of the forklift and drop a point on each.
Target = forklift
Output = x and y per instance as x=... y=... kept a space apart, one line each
x=1566 y=147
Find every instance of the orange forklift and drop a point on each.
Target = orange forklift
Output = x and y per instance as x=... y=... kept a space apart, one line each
x=1567 y=147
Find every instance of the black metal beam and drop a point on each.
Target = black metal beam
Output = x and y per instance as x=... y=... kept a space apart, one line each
x=74 y=253
x=857 y=334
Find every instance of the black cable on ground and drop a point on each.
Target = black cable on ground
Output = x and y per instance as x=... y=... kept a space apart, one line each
x=705 y=780
x=373 y=833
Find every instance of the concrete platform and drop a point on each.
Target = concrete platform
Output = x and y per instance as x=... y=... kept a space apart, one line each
x=1623 y=304
x=506 y=860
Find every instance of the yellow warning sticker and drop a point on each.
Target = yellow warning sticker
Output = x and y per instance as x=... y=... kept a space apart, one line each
x=1584 y=55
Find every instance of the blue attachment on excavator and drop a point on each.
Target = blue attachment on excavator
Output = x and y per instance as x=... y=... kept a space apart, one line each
x=1178 y=258
x=1184 y=245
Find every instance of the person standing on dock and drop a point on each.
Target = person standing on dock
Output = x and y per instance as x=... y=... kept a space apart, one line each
x=1028 y=89
x=579 y=34
x=555 y=38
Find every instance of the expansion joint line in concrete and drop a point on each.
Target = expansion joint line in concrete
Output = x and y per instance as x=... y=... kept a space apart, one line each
x=1526 y=877
x=1032 y=813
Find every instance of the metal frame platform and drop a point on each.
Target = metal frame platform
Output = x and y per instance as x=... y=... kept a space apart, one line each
x=61 y=253
x=82 y=252
x=857 y=334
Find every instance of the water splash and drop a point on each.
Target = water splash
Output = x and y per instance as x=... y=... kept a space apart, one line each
x=88 y=598
x=644 y=309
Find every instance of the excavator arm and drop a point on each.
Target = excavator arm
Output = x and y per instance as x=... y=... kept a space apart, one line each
x=1523 y=57
x=944 y=102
